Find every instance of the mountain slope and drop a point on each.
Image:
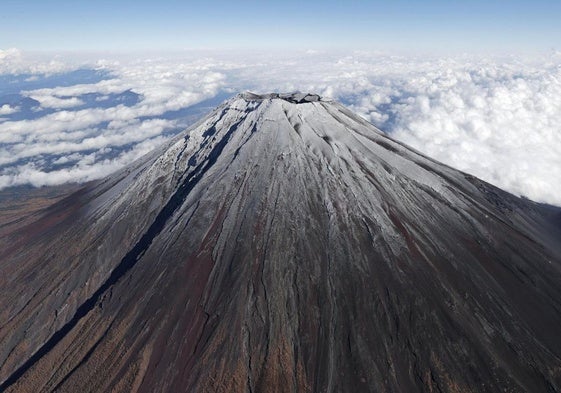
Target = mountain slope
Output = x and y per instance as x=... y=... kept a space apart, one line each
x=283 y=244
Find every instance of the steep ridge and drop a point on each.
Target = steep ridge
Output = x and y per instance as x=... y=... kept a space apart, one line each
x=283 y=244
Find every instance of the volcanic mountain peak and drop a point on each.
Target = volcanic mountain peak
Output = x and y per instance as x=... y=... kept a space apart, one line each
x=295 y=98
x=283 y=244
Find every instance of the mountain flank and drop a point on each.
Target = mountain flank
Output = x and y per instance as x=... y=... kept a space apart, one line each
x=283 y=244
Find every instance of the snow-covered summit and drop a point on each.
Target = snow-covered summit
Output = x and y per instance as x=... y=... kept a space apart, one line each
x=295 y=98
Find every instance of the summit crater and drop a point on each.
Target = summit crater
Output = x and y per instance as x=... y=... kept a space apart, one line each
x=294 y=98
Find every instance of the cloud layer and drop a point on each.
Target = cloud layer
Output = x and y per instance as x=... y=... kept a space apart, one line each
x=496 y=118
x=7 y=109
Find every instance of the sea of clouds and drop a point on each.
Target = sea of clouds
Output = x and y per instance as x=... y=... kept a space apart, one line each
x=498 y=118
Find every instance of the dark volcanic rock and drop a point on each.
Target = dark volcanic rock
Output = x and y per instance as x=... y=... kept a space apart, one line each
x=294 y=98
x=283 y=245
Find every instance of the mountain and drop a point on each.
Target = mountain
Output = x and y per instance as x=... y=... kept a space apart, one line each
x=283 y=244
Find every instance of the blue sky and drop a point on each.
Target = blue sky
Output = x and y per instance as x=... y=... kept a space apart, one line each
x=172 y=24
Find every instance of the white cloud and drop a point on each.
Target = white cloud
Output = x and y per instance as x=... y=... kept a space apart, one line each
x=48 y=101
x=11 y=54
x=83 y=140
x=498 y=123
x=14 y=61
x=88 y=168
x=7 y=109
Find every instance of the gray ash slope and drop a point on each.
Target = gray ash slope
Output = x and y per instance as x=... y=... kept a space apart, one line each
x=283 y=244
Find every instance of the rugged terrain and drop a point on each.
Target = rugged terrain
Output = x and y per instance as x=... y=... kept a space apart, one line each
x=283 y=244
